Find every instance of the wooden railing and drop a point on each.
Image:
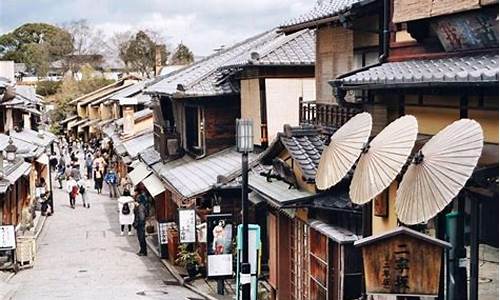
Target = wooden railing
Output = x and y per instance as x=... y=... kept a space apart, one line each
x=323 y=114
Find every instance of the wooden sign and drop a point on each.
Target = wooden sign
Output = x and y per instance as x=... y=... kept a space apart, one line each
x=402 y=262
x=469 y=31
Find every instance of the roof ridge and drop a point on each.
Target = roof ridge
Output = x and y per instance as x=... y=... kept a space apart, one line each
x=286 y=40
x=234 y=47
x=208 y=58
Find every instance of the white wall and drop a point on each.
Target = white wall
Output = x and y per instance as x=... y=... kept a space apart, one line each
x=7 y=69
x=250 y=105
x=282 y=98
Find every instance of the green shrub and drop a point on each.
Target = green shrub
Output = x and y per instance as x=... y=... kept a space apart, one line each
x=47 y=87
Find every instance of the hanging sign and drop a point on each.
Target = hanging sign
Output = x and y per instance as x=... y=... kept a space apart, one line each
x=7 y=237
x=187 y=225
x=219 y=248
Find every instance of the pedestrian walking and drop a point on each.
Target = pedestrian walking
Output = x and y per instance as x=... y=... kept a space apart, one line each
x=83 y=191
x=89 y=163
x=126 y=212
x=98 y=178
x=112 y=181
x=72 y=189
x=60 y=174
x=140 y=221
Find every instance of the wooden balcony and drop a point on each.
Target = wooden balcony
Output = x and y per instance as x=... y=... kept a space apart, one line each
x=322 y=114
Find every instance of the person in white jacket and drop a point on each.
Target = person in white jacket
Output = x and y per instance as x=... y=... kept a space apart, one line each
x=126 y=211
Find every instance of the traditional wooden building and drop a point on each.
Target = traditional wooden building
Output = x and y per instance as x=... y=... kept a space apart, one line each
x=441 y=66
x=307 y=236
x=95 y=107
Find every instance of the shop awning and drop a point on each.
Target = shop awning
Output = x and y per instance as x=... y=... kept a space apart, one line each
x=154 y=185
x=43 y=159
x=140 y=172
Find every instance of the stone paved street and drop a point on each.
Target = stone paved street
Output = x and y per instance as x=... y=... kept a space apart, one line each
x=82 y=256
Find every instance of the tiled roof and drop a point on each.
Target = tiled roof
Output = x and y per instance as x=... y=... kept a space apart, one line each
x=324 y=9
x=196 y=177
x=305 y=145
x=150 y=156
x=465 y=69
x=294 y=49
x=207 y=77
x=200 y=77
x=277 y=192
x=33 y=137
x=138 y=143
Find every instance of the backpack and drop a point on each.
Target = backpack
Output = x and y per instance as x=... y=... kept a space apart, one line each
x=74 y=191
x=125 y=209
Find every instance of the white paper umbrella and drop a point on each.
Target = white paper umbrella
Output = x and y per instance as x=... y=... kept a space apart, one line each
x=343 y=151
x=439 y=171
x=382 y=160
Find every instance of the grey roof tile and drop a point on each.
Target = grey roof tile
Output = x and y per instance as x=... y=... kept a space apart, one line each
x=464 y=69
x=324 y=9
x=150 y=156
x=208 y=77
x=193 y=178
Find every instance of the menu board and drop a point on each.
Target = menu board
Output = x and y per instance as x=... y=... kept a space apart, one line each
x=187 y=226
x=7 y=237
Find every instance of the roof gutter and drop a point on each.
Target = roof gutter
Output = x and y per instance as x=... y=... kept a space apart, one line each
x=384 y=32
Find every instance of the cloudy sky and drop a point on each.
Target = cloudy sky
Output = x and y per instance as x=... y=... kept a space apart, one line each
x=200 y=24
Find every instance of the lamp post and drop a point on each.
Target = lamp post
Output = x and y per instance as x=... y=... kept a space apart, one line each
x=244 y=145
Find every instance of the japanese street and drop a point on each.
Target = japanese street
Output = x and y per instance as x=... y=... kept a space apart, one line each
x=81 y=255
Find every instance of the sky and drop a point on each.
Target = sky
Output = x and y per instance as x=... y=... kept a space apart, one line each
x=202 y=25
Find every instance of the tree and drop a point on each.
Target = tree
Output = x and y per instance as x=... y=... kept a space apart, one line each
x=139 y=53
x=88 y=45
x=182 y=55
x=36 y=44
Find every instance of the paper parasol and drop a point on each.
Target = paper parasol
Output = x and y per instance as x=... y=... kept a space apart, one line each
x=382 y=160
x=343 y=151
x=439 y=171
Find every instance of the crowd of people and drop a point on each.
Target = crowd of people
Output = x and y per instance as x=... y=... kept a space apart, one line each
x=77 y=164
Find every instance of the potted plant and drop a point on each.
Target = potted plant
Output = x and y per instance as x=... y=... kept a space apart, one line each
x=187 y=259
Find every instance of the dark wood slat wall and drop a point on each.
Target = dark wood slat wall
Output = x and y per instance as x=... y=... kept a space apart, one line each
x=220 y=125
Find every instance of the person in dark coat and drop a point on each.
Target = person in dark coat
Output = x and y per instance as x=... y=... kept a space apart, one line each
x=140 y=212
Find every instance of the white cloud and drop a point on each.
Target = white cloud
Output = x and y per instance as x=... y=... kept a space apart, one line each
x=201 y=25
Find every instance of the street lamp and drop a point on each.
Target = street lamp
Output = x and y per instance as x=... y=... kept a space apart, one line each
x=10 y=150
x=244 y=145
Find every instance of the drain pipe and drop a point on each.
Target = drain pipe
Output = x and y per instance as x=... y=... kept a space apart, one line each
x=384 y=32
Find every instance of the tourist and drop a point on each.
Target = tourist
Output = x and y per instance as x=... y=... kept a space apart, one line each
x=140 y=221
x=89 y=163
x=126 y=212
x=112 y=181
x=98 y=178
x=82 y=189
x=72 y=189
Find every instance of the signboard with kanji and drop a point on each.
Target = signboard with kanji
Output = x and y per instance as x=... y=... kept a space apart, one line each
x=475 y=30
x=187 y=226
x=402 y=262
x=7 y=237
